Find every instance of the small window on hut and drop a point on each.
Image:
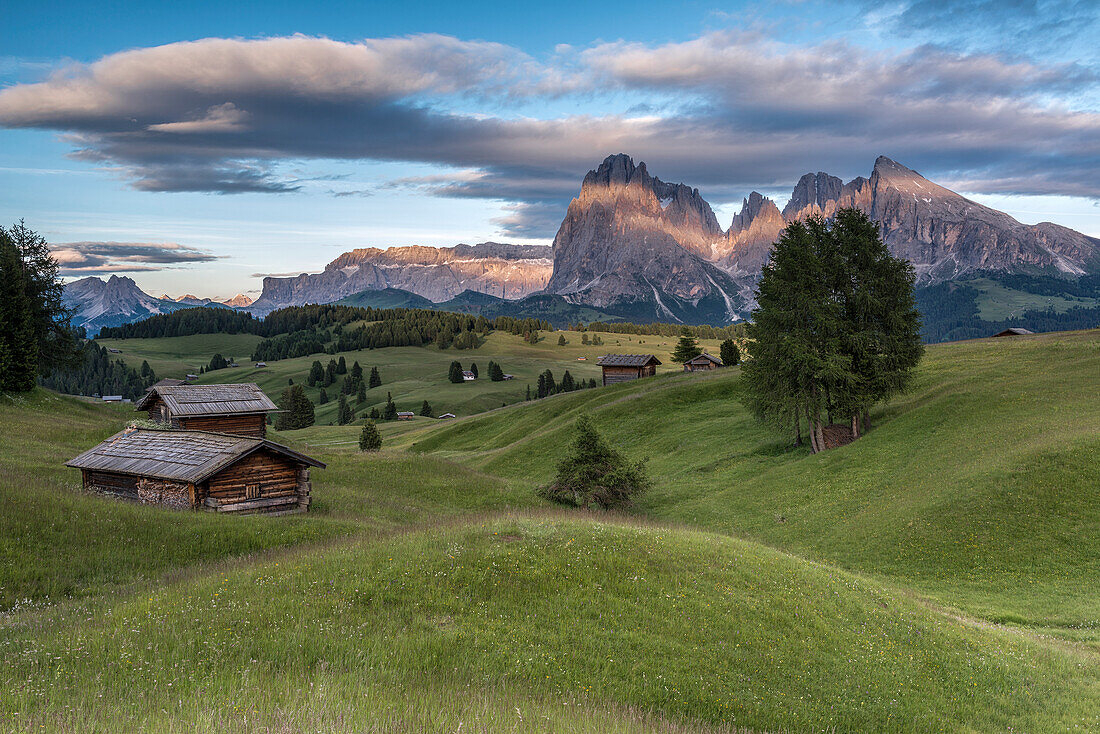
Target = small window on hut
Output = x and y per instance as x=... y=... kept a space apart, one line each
x=251 y=491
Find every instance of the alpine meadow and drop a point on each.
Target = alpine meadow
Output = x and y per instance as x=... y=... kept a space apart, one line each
x=484 y=367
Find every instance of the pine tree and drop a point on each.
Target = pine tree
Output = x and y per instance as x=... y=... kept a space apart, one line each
x=426 y=409
x=290 y=380
x=297 y=410
x=341 y=366
x=330 y=373
x=375 y=378
x=528 y=396
x=323 y=397
x=496 y=374
x=567 y=384
x=533 y=338
x=454 y=374
x=473 y=368
x=316 y=374
x=356 y=373
x=369 y=438
x=375 y=415
x=561 y=340
x=687 y=348
x=729 y=354
x=595 y=474
x=390 y=412
x=344 y=415
x=361 y=396
x=584 y=339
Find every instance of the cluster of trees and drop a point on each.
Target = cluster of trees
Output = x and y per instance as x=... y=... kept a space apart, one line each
x=496 y=373
x=35 y=334
x=185 y=322
x=836 y=330
x=594 y=340
x=295 y=344
x=517 y=327
x=547 y=386
x=98 y=374
x=217 y=362
x=734 y=331
x=354 y=382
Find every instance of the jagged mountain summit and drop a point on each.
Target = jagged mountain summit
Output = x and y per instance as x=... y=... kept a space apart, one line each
x=118 y=300
x=633 y=243
x=436 y=273
x=238 y=301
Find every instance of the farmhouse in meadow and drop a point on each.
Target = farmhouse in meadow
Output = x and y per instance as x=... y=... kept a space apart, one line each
x=1014 y=331
x=238 y=409
x=702 y=363
x=199 y=470
x=624 y=367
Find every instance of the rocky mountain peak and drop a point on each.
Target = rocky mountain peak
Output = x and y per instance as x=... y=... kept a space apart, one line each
x=811 y=195
x=757 y=208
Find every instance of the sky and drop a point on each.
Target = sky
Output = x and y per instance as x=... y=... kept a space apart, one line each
x=199 y=146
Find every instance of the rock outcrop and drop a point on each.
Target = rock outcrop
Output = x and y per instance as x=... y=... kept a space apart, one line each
x=437 y=273
x=751 y=235
x=633 y=242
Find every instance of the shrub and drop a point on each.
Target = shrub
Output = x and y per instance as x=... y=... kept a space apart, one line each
x=595 y=474
x=369 y=438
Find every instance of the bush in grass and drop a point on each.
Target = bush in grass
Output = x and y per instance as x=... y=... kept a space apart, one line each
x=593 y=473
x=369 y=438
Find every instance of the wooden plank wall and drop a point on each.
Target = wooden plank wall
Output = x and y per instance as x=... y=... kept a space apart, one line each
x=239 y=425
x=111 y=483
x=276 y=475
x=613 y=375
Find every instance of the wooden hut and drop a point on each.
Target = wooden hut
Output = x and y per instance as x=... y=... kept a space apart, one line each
x=167 y=382
x=1014 y=331
x=199 y=470
x=624 y=367
x=239 y=409
x=702 y=363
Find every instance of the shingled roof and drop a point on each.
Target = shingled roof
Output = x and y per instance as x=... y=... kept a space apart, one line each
x=184 y=456
x=196 y=400
x=706 y=357
x=627 y=360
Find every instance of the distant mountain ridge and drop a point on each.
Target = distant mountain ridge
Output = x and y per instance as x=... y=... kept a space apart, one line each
x=118 y=300
x=436 y=273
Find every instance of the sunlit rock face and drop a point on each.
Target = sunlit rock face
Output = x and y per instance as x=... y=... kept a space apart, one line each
x=630 y=237
x=751 y=235
x=437 y=273
x=944 y=234
x=118 y=300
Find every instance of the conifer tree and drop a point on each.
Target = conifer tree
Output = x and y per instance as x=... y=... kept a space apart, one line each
x=567 y=384
x=375 y=415
x=687 y=348
x=361 y=396
x=528 y=397
x=356 y=373
x=369 y=438
x=426 y=409
x=390 y=412
x=341 y=366
x=375 y=378
x=729 y=354
x=330 y=372
x=297 y=410
x=533 y=338
x=344 y=413
x=473 y=368
x=595 y=474
x=496 y=374
x=584 y=338
x=316 y=374
x=454 y=374
x=561 y=340
x=323 y=397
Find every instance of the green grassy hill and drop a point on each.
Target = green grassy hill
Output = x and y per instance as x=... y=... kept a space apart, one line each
x=411 y=374
x=940 y=574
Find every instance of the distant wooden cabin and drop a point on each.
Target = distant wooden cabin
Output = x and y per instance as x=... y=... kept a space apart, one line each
x=404 y=416
x=199 y=470
x=446 y=415
x=624 y=367
x=1014 y=331
x=238 y=409
x=468 y=376
x=702 y=363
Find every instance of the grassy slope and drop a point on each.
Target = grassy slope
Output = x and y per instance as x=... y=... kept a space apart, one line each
x=412 y=375
x=980 y=487
x=997 y=302
x=688 y=625
x=543 y=622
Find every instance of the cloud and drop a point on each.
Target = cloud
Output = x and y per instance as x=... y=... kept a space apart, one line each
x=352 y=192
x=78 y=258
x=727 y=112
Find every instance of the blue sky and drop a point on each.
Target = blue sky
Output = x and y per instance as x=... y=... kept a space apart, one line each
x=198 y=146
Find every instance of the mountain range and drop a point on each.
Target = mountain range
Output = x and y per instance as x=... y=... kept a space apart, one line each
x=635 y=247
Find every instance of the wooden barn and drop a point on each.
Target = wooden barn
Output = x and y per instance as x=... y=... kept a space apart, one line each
x=624 y=367
x=702 y=363
x=199 y=470
x=1013 y=331
x=238 y=409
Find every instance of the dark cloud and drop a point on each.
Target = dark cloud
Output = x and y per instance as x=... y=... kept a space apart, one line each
x=732 y=112
x=78 y=258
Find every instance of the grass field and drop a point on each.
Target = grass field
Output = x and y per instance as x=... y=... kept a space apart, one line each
x=940 y=574
x=412 y=375
x=996 y=302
